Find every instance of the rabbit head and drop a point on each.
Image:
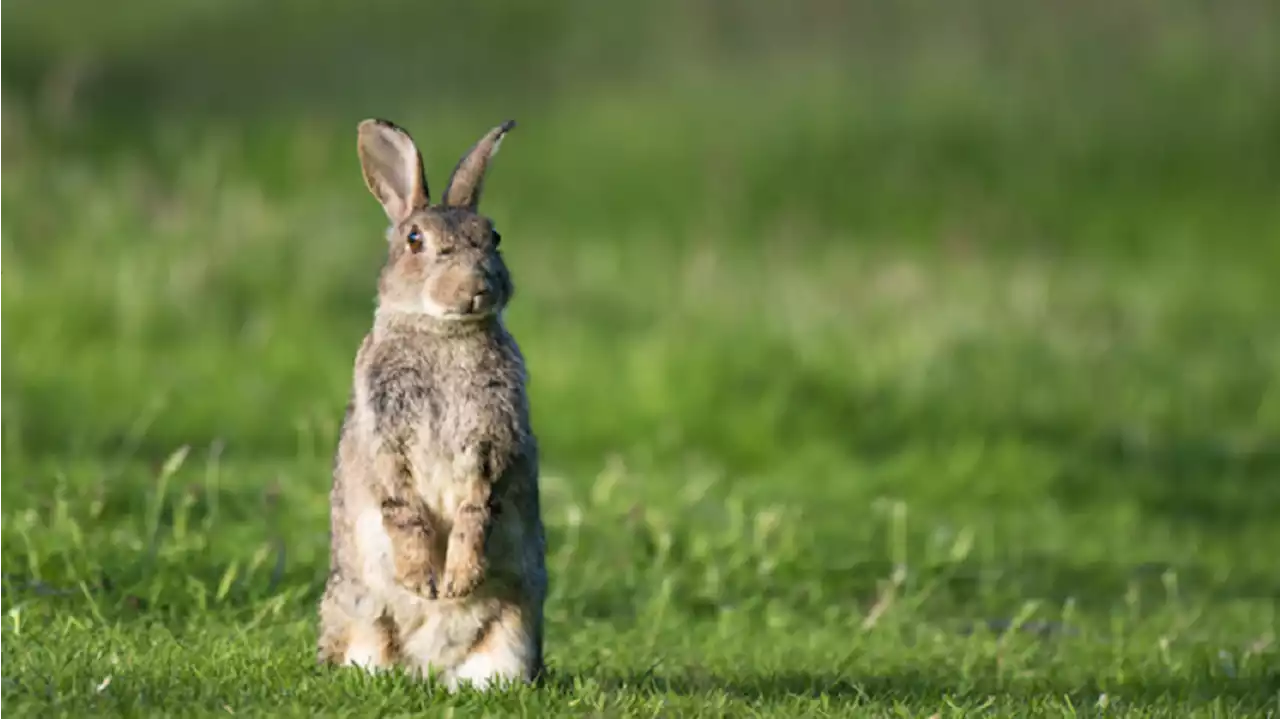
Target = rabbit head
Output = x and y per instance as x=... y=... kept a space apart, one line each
x=443 y=261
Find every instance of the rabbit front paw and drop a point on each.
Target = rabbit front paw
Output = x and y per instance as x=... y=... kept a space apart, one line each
x=423 y=583
x=418 y=577
x=463 y=572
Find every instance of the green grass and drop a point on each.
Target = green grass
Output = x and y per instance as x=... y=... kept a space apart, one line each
x=945 y=384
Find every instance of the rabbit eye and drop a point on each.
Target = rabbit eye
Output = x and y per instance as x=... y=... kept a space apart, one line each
x=415 y=238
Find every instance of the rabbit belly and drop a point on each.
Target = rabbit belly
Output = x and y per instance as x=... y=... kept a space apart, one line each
x=482 y=640
x=482 y=643
x=376 y=551
x=440 y=479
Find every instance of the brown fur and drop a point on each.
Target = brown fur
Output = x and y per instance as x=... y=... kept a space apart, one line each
x=438 y=549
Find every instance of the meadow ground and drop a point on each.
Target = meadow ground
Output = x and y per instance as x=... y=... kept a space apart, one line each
x=917 y=403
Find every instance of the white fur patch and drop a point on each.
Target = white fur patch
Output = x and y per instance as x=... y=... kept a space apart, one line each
x=432 y=309
x=364 y=654
x=502 y=662
x=426 y=306
x=375 y=545
x=442 y=646
x=502 y=665
x=429 y=641
x=367 y=649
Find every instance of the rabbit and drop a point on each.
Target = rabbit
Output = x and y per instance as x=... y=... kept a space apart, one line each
x=438 y=552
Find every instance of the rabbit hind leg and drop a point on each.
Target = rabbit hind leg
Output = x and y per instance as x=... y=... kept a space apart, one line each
x=508 y=652
x=352 y=633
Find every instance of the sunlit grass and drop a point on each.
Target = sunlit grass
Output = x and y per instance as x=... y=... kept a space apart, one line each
x=804 y=478
x=934 y=386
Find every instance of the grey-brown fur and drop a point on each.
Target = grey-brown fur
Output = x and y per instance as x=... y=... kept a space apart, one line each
x=438 y=549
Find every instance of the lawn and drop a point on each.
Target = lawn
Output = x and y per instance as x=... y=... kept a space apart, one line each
x=954 y=392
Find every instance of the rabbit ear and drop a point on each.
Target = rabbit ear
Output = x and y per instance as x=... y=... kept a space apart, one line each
x=392 y=168
x=467 y=180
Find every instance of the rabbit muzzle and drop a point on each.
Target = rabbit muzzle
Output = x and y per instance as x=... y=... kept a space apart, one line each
x=462 y=294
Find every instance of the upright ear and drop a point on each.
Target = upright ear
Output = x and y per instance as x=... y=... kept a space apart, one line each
x=392 y=168
x=467 y=181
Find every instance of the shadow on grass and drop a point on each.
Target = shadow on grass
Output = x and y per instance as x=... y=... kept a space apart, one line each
x=917 y=687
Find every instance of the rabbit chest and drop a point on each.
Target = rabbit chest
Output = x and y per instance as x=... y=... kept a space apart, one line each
x=449 y=414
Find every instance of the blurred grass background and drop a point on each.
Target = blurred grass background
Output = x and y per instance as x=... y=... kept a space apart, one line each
x=1011 y=265
x=213 y=139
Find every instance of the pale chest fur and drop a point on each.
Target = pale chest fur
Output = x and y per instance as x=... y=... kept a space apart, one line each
x=450 y=412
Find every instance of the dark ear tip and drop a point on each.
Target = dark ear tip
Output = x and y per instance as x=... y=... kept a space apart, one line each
x=507 y=126
x=372 y=123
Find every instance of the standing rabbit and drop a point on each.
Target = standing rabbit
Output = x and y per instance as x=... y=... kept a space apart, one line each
x=438 y=552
